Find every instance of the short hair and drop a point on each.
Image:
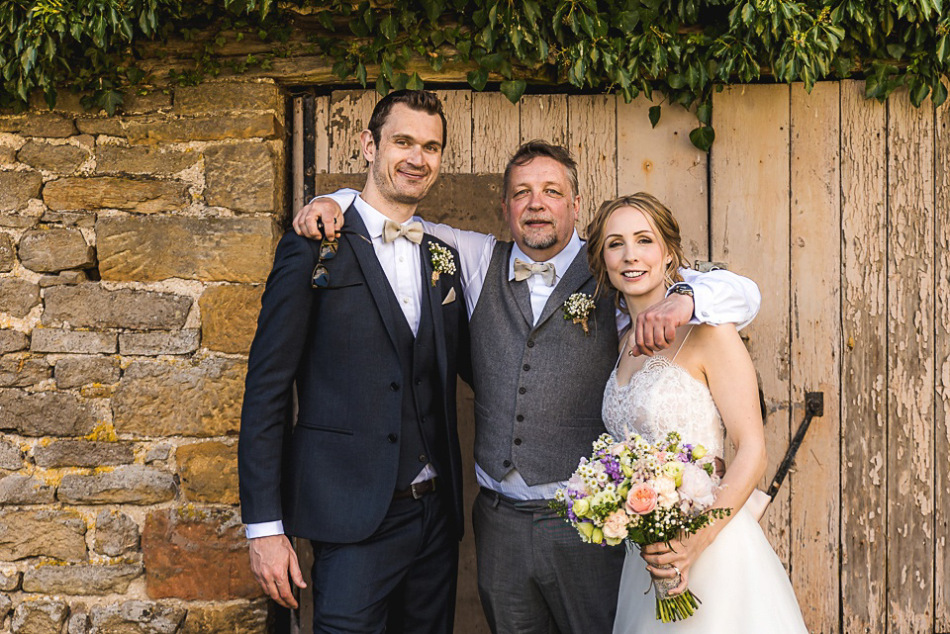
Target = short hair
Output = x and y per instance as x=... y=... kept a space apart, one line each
x=422 y=100
x=668 y=233
x=532 y=150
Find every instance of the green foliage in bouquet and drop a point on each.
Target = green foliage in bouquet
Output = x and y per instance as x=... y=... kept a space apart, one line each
x=685 y=49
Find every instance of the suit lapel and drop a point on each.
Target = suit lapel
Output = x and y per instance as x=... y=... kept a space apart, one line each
x=433 y=294
x=376 y=280
x=519 y=290
x=577 y=274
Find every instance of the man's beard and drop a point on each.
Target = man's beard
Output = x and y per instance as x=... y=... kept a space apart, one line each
x=541 y=242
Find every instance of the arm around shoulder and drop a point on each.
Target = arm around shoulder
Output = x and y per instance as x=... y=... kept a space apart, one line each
x=723 y=297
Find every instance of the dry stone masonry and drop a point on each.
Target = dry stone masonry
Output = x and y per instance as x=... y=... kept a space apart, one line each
x=133 y=252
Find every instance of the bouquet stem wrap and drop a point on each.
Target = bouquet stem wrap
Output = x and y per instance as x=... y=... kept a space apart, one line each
x=673 y=608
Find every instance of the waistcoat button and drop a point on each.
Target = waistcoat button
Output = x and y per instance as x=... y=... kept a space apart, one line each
x=522 y=390
x=519 y=417
x=393 y=437
x=394 y=386
x=526 y=367
x=517 y=441
x=530 y=343
x=506 y=463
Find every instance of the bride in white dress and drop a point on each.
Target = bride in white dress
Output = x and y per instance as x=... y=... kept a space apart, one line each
x=704 y=387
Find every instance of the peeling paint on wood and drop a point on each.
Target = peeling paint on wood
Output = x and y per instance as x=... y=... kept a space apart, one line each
x=910 y=412
x=663 y=162
x=863 y=366
x=749 y=221
x=815 y=263
x=592 y=139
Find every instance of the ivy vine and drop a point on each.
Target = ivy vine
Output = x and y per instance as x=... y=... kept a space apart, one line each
x=683 y=49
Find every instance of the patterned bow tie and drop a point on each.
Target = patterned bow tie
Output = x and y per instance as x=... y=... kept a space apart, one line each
x=524 y=270
x=411 y=231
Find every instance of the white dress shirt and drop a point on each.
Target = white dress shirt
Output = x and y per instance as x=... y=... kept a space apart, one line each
x=713 y=303
x=401 y=261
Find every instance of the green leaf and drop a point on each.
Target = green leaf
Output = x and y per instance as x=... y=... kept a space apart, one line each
x=388 y=27
x=110 y=100
x=400 y=81
x=478 y=78
x=918 y=92
x=939 y=94
x=654 y=115
x=415 y=82
x=513 y=89
x=702 y=137
x=382 y=86
x=704 y=113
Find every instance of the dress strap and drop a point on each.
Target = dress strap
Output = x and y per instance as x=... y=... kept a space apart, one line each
x=682 y=344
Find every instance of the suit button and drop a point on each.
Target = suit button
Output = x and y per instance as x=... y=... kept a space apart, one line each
x=394 y=386
x=393 y=437
x=526 y=367
x=530 y=343
x=522 y=390
x=422 y=458
x=418 y=381
x=517 y=441
x=519 y=418
x=506 y=463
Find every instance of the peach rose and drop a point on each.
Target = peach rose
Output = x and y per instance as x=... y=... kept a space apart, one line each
x=615 y=526
x=641 y=499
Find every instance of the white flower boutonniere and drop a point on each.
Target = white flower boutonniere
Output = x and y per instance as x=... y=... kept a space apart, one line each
x=577 y=308
x=442 y=261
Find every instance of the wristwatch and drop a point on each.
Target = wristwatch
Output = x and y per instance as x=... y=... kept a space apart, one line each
x=682 y=288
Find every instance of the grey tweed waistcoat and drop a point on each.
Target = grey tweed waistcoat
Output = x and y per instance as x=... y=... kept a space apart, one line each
x=538 y=389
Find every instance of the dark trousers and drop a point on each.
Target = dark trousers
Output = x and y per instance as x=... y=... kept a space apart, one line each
x=400 y=579
x=536 y=576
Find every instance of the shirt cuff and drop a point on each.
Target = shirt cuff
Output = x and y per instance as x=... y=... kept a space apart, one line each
x=264 y=529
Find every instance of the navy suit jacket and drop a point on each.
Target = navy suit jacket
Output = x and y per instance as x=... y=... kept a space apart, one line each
x=331 y=477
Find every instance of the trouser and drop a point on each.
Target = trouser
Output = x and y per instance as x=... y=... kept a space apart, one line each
x=536 y=576
x=401 y=579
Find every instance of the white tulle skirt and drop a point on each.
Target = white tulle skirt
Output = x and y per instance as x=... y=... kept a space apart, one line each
x=739 y=579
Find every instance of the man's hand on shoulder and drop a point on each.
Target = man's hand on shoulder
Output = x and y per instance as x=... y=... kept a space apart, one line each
x=320 y=210
x=271 y=559
x=656 y=326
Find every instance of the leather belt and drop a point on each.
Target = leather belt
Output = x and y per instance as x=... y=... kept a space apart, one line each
x=416 y=491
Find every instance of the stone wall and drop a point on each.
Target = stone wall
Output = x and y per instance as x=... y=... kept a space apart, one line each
x=133 y=251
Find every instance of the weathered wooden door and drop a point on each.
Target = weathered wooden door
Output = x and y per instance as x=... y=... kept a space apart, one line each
x=840 y=209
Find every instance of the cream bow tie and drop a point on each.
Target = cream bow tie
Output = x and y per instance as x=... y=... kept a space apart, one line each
x=411 y=231
x=524 y=270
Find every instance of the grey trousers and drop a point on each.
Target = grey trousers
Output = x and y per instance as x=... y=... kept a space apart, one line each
x=536 y=576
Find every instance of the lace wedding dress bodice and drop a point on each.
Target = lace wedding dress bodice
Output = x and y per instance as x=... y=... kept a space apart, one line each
x=663 y=397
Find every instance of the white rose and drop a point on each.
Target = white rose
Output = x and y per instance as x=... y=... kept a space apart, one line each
x=666 y=495
x=698 y=487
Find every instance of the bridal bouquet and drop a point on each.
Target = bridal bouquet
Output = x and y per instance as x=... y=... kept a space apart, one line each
x=646 y=494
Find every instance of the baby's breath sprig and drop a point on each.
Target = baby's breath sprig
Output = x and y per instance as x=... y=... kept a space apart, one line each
x=442 y=261
x=577 y=308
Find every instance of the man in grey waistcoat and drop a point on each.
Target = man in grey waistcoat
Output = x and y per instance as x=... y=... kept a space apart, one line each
x=538 y=381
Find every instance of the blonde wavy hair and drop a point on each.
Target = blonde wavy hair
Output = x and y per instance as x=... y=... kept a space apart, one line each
x=668 y=232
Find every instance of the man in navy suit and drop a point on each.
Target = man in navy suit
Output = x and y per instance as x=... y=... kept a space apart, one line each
x=368 y=330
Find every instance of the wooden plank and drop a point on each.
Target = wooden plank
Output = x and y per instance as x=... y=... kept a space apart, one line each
x=457 y=156
x=297 y=166
x=495 y=132
x=544 y=117
x=350 y=111
x=864 y=469
x=910 y=410
x=942 y=350
x=663 y=162
x=815 y=262
x=749 y=222
x=592 y=139
x=322 y=126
